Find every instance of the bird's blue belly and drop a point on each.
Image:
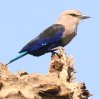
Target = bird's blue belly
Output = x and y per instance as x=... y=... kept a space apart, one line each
x=39 y=51
x=45 y=49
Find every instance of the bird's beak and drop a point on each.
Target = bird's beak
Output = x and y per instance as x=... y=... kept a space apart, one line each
x=84 y=16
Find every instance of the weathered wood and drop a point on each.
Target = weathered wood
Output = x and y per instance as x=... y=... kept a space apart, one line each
x=59 y=83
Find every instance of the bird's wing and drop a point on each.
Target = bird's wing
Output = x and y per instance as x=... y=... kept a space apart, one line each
x=51 y=35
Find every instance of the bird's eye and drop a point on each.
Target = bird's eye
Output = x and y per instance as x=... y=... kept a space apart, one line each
x=73 y=14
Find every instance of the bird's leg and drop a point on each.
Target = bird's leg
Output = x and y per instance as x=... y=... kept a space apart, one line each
x=53 y=52
x=56 y=48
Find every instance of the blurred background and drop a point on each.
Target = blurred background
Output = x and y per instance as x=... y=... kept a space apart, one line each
x=22 y=20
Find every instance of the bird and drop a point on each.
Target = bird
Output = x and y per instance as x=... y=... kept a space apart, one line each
x=58 y=34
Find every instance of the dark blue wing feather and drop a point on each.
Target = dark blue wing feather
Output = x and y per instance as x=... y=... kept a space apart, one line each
x=48 y=37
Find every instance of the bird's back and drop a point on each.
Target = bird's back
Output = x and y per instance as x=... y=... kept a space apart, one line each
x=48 y=39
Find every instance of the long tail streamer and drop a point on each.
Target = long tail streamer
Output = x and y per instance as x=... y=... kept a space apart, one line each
x=19 y=56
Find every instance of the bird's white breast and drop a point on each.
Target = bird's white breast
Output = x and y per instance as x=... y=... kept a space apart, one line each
x=68 y=36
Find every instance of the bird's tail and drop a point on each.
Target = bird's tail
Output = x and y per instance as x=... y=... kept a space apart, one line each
x=19 y=56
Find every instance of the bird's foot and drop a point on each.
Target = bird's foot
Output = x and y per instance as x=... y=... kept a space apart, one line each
x=54 y=52
x=60 y=49
x=54 y=49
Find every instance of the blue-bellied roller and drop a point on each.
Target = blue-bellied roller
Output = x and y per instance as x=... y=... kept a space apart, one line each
x=58 y=34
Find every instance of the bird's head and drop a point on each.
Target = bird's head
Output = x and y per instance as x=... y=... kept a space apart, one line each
x=72 y=16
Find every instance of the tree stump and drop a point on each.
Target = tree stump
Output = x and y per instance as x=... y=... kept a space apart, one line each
x=58 y=83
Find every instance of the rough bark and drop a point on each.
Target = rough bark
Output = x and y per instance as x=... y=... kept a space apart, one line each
x=58 y=83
